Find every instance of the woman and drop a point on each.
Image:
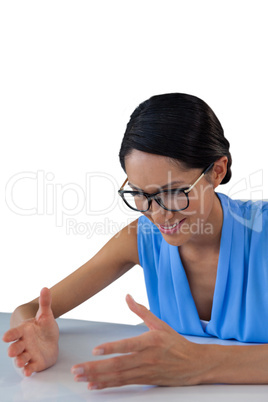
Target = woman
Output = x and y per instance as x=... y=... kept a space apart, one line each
x=204 y=256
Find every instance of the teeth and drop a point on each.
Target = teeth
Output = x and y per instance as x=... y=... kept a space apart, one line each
x=170 y=227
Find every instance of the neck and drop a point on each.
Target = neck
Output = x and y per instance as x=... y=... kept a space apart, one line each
x=210 y=240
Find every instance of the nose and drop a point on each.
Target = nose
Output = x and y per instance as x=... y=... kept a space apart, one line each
x=157 y=212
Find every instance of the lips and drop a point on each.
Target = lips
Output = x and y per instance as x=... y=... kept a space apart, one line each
x=171 y=228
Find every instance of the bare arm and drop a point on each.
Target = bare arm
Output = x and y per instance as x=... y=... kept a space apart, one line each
x=236 y=364
x=114 y=259
x=34 y=330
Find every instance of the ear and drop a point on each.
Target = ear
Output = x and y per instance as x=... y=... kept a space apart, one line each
x=219 y=171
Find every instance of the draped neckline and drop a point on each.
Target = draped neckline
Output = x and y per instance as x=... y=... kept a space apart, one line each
x=185 y=302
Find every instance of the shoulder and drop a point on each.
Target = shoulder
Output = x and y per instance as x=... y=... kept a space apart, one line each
x=122 y=248
x=251 y=214
x=127 y=242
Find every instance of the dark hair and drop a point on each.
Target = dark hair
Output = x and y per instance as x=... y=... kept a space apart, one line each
x=179 y=126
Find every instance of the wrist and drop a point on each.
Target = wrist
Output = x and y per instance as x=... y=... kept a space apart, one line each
x=213 y=358
x=204 y=360
x=23 y=313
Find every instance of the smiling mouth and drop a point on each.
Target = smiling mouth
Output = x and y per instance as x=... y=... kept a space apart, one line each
x=171 y=228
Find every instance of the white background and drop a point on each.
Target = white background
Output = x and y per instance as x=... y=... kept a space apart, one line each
x=71 y=74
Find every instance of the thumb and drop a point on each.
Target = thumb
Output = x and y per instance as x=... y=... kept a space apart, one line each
x=147 y=316
x=44 y=303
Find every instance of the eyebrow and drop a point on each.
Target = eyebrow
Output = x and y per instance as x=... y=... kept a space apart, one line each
x=163 y=187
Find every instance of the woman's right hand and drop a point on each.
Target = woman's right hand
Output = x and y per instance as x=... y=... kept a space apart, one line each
x=35 y=341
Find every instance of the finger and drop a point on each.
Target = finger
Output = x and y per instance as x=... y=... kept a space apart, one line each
x=127 y=377
x=22 y=359
x=13 y=334
x=92 y=370
x=147 y=316
x=16 y=348
x=29 y=369
x=44 y=302
x=128 y=345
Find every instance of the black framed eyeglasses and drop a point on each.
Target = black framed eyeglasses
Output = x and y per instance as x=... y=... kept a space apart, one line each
x=175 y=199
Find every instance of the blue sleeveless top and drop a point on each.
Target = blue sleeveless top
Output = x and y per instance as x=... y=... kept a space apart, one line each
x=240 y=301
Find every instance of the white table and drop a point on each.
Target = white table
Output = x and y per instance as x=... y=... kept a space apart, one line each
x=77 y=339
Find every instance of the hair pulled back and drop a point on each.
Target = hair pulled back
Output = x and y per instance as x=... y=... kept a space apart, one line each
x=179 y=126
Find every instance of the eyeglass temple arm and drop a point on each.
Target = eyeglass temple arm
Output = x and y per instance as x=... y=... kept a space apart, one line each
x=192 y=186
x=199 y=178
x=124 y=183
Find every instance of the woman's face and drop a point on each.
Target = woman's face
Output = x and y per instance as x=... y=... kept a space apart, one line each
x=152 y=173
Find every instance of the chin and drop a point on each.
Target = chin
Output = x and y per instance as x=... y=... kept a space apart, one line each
x=176 y=241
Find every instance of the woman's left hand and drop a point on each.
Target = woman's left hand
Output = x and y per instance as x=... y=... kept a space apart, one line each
x=158 y=357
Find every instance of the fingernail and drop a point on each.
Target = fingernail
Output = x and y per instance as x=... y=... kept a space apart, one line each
x=81 y=379
x=78 y=371
x=92 y=387
x=97 y=352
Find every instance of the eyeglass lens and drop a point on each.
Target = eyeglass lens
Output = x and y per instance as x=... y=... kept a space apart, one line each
x=170 y=200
